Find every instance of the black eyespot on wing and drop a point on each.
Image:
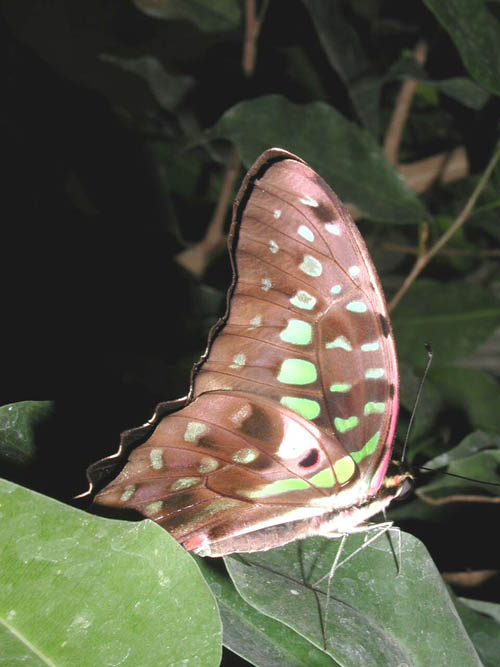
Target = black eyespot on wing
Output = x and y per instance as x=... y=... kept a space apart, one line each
x=323 y=212
x=386 y=330
x=207 y=442
x=310 y=459
x=260 y=427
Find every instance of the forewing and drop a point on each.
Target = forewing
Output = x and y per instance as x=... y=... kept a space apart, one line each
x=307 y=322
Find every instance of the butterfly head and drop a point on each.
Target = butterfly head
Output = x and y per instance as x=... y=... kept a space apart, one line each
x=397 y=483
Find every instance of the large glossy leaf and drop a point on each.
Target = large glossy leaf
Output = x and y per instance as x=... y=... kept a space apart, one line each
x=208 y=15
x=374 y=616
x=482 y=621
x=254 y=636
x=18 y=422
x=347 y=157
x=454 y=317
x=476 y=34
x=83 y=590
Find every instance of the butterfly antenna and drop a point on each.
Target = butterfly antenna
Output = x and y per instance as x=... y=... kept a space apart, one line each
x=417 y=398
x=467 y=479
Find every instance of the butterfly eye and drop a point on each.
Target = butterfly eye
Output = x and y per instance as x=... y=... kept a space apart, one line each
x=406 y=488
x=310 y=459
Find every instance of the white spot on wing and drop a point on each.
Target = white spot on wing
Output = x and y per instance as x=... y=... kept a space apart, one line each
x=306 y=233
x=307 y=200
x=241 y=414
x=311 y=266
x=239 y=360
x=277 y=213
x=303 y=300
x=266 y=284
x=273 y=247
x=333 y=228
x=354 y=271
x=370 y=347
x=255 y=322
x=296 y=440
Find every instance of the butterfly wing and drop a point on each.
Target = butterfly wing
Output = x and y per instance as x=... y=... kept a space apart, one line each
x=293 y=407
x=308 y=324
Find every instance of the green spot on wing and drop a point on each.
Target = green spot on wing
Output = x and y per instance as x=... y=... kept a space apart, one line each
x=374 y=373
x=324 y=479
x=281 y=486
x=297 y=332
x=368 y=448
x=344 y=425
x=372 y=408
x=357 y=307
x=304 y=407
x=340 y=388
x=297 y=371
x=344 y=469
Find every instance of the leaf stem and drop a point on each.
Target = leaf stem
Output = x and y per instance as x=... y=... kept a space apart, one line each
x=402 y=109
x=253 y=25
x=426 y=257
x=196 y=258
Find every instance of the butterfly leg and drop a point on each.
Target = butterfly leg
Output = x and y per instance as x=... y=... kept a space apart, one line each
x=380 y=529
x=330 y=576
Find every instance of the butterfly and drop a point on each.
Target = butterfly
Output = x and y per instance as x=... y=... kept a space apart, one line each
x=288 y=426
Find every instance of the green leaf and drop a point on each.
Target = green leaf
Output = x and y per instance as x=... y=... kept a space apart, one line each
x=476 y=458
x=470 y=445
x=454 y=317
x=476 y=34
x=374 y=616
x=18 y=422
x=347 y=157
x=474 y=392
x=83 y=590
x=208 y=15
x=462 y=89
x=168 y=89
x=254 y=636
x=345 y=54
x=488 y=608
x=483 y=630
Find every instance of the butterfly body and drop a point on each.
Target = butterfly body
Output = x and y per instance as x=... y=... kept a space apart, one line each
x=288 y=427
